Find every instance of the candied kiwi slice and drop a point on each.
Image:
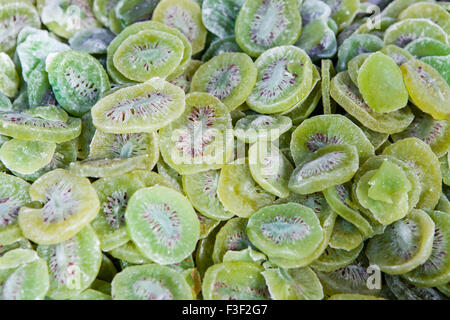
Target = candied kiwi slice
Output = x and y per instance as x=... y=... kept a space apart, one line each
x=338 y=197
x=289 y=231
x=69 y=203
x=150 y=282
x=26 y=157
x=345 y=235
x=284 y=78
x=347 y=95
x=13 y=195
x=270 y=168
x=421 y=159
x=235 y=280
x=327 y=73
x=113 y=154
x=78 y=80
x=25 y=127
x=257 y=127
x=329 y=166
x=201 y=138
x=145 y=26
x=145 y=107
x=293 y=284
x=73 y=264
x=162 y=224
x=238 y=192
x=404 y=290
x=201 y=189
x=435 y=270
x=186 y=16
x=380 y=82
x=23 y=276
x=405 y=244
x=148 y=54
x=318 y=131
x=333 y=259
x=427 y=89
x=264 y=24
x=229 y=77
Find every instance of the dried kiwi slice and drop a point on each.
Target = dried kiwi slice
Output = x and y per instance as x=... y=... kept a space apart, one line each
x=338 y=197
x=140 y=108
x=13 y=195
x=184 y=80
x=284 y=78
x=347 y=95
x=235 y=280
x=238 y=192
x=229 y=77
x=404 y=245
x=334 y=259
x=258 y=127
x=73 y=264
x=145 y=26
x=113 y=154
x=9 y=79
x=289 y=231
x=270 y=168
x=419 y=156
x=201 y=189
x=293 y=284
x=162 y=224
x=329 y=166
x=148 y=54
x=319 y=131
x=355 y=45
x=435 y=270
x=78 y=80
x=92 y=41
x=427 y=89
x=23 y=276
x=327 y=72
x=186 y=16
x=404 y=290
x=69 y=203
x=264 y=24
x=201 y=138
x=345 y=235
x=150 y=282
x=128 y=254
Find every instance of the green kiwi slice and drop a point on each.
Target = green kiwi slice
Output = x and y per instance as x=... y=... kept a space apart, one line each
x=318 y=40
x=39 y=90
x=229 y=77
x=270 y=168
x=405 y=244
x=347 y=95
x=235 y=280
x=148 y=54
x=327 y=72
x=221 y=45
x=13 y=195
x=9 y=79
x=186 y=16
x=114 y=194
x=184 y=80
x=78 y=80
x=239 y=192
x=201 y=138
x=73 y=264
x=330 y=165
x=419 y=156
x=140 y=108
x=435 y=270
x=128 y=254
x=113 y=154
x=441 y=64
x=201 y=189
x=399 y=55
x=230 y=237
x=404 y=290
x=135 y=29
x=318 y=131
x=256 y=127
x=333 y=259
x=293 y=284
x=150 y=282
x=92 y=41
x=23 y=276
x=287 y=230
x=14 y=16
x=162 y=224
x=345 y=235
x=338 y=197
x=69 y=203
x=26 y=157
x=284 y=78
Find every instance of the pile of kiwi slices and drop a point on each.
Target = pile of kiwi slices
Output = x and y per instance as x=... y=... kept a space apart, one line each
x=288 y=149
